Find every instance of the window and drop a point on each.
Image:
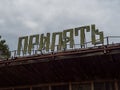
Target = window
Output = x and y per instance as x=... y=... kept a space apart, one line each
x=118 y=85
x=5 y=89
x=22 y=89
x=104 y=86
x=85 y=86
x=40 y=88
x=60 y=87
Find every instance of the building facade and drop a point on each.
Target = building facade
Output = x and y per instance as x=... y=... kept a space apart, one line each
x=81 y=69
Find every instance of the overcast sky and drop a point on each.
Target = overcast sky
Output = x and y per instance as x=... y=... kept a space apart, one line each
x=28 y=17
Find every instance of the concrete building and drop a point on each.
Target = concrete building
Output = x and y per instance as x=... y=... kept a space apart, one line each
x=96 y=68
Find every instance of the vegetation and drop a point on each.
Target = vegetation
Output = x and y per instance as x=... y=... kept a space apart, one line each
x=4 y=49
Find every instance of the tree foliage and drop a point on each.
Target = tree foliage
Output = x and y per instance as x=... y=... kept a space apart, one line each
x=4 y=49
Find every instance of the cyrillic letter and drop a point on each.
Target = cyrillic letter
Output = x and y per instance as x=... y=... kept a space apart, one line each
x=22 y=45
x=68 y=39
x=44 y=42
x=54 y=40
x=32 y=42
x=82 y=33
x=93 y=36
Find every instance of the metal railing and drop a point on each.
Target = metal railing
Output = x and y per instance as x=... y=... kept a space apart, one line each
x=109 y=40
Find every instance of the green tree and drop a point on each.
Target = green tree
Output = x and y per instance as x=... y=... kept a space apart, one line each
x=4 y=49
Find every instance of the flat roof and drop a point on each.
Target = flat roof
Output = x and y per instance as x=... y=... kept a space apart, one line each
x=101 y=62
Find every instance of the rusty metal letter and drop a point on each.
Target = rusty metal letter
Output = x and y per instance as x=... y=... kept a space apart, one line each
x=22 y=45
x=44 y=42
x=95 y=32
x=59 y=46
x=69 y=38
x=82 y=33
x=32 y=42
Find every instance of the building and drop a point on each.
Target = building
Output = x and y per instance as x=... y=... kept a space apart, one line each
x=96 y=68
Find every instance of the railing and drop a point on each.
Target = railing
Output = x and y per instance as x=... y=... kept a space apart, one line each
x=109 y=40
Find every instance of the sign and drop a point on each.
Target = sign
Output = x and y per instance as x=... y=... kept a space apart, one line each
x=48 y=41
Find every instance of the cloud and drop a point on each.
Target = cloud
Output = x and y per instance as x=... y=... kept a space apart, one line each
x=30 y=24
x=2 y=21
x=26 y=17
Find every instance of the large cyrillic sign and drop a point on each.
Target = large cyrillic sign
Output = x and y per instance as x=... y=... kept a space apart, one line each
x=48 y=41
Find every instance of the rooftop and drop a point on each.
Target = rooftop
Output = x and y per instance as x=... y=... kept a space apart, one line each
x=101 y=62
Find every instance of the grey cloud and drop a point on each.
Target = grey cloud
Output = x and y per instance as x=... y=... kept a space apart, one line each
x=26 y=17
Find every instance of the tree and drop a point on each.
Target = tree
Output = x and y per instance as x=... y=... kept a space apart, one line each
x=4 y=49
